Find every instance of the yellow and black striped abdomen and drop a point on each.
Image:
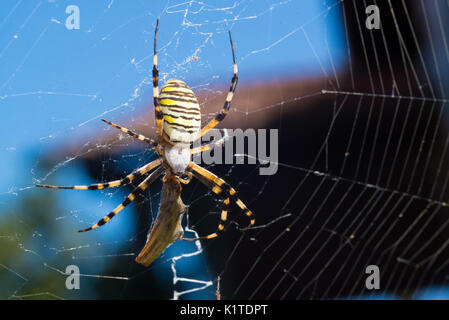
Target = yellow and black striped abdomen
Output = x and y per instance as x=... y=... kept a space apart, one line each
x=181 y=112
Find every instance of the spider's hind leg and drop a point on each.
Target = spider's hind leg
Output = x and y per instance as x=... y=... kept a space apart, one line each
x=130 y=198
x=219 y=187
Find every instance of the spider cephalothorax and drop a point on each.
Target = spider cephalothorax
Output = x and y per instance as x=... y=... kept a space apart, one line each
x=177 y=157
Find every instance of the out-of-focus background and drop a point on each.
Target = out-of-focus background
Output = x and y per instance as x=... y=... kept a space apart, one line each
x=363 y=166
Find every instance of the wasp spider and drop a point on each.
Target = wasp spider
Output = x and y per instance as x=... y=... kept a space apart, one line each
x=178 y=121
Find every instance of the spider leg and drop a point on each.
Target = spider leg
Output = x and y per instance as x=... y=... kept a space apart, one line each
x=139 y=189
x=157 y=107
x=130 y=177
x=135 y=135
x=219 y=187
x=188 y=178
x=211 y=145
x=220 y=116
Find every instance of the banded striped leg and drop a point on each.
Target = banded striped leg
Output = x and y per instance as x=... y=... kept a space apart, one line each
x=211 y=145
x=220 y=116
x=219 y=187
x=98 y=186
x=130 y=198
x=133 y=134
x=157 y=107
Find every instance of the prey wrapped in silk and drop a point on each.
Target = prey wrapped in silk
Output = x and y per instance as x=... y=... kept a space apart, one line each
x=167 y=227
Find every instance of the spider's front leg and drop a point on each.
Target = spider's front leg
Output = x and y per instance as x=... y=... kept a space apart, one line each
x=227 y=105
x=140 y=137
x=157 y=107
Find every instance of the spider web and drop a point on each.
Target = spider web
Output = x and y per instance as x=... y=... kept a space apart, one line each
x=362 y=171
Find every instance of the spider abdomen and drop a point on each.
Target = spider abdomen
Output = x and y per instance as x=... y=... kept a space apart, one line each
x=181 y=112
